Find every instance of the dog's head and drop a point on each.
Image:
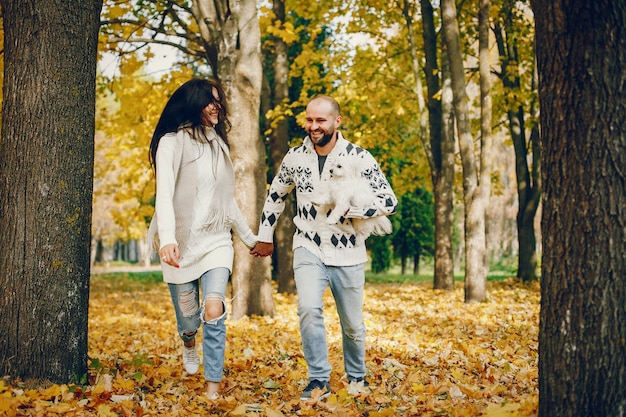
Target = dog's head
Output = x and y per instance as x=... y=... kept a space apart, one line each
x=345 y=167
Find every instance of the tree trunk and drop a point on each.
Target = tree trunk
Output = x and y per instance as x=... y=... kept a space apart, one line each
x=46 y=177
x=279 y=145
x=446 y=182
x=484 y=69
x=416 y=264
x=528 y=179
x=581 y=56
x=442 y=151
x=475 y=283
x=529 y=197
x=234 y=29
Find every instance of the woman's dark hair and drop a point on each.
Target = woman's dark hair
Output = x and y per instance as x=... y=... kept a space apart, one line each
x=184 y=109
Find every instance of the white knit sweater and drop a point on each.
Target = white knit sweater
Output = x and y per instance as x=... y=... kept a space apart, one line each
x=186 y=175
x=335 y=244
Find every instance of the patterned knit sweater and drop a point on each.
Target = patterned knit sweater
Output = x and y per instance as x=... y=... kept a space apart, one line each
x=334 y=244
x=187 y=170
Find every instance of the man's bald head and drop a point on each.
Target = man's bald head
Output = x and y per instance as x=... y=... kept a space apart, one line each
x=327 y=100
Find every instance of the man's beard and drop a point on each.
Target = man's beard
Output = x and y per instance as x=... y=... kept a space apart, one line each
x=325 y=139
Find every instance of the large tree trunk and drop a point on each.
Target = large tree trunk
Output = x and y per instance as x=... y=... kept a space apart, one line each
x=581 y=55
x=475 y=277
x=46 y=174
x=233 y=28
x=279 y=145
x=442 y=155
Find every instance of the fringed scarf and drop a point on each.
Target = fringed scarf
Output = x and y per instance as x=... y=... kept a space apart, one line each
x=219 y=216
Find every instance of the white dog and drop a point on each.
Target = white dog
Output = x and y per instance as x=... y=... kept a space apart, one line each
x=347 y=188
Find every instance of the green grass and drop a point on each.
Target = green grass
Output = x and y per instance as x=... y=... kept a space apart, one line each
x=137 y=281
x=394 y=275
x=126 y=281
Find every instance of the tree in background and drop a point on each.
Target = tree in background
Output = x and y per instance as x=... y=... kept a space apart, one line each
x=476 y=176
x=441 y=146
x=380 y=252
x=481 y=195
x=437 y=146
x=46 y=173
x=514 y=41
x=414 y=228
x=276 y=77
x=581 y=56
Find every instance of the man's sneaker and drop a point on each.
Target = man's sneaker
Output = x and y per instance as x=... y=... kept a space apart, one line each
x=310 y=392
x=358 y=386
x=191 y=359
x=359 y=380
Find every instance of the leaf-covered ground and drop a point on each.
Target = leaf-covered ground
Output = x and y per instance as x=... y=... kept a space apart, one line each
x=429 y=354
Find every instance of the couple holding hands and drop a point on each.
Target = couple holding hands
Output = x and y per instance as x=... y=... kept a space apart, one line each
x=195 y=211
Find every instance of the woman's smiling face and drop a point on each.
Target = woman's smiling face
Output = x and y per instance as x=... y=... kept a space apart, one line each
x=212 y=111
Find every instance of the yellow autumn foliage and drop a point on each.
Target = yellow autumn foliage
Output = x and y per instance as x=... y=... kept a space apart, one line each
x=428 y=354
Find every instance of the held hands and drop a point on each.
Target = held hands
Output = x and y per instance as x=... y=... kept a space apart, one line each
x=262 y=249
x=170 y=254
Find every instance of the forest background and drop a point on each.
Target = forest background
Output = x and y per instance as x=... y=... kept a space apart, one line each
x=372 y=58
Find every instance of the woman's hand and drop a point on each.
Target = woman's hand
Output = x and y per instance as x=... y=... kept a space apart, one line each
x=170 y=254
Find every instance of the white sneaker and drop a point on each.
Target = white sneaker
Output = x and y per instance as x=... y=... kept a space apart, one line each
x=191 y=359
x=213 y=396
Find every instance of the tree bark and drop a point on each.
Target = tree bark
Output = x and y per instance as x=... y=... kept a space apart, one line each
x=279 y=145
x=581 y=56
x=442 y=155
x=475 y=278
x=233 y=28
x=46 y=177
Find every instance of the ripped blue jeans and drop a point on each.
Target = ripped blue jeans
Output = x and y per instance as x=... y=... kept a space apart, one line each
x=190 y=313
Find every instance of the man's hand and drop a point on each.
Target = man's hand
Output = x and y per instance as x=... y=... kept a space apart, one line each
x=262 y=249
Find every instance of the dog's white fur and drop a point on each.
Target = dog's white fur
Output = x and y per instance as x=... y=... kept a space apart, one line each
x=347 y=188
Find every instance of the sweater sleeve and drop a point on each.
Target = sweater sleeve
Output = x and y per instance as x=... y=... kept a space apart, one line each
x=385 y=202
x=281 y=186
x=241 y=227
x=165 y=182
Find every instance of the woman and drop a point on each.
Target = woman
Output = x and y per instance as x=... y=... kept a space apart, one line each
x=195 y=210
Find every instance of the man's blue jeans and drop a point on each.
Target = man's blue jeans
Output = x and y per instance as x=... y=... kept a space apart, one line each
x=190 y=313
x=347 y=285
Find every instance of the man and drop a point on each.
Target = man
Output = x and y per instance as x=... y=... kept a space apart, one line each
x=325 y=254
